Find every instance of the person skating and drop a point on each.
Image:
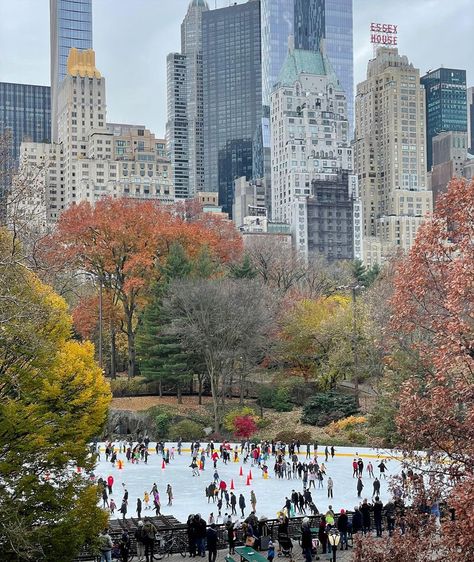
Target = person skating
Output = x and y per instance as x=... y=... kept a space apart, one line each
x=360 y=466
x=123 y=508
x=110 y=483
x=169 y=492
x=139 y=508
x=211 y=538
x=376 y=491
x=242 y=504
x=233 y=503
x=382 y=467
x=253 y=501
x=112 y=506
x=326 y=453
x=330 y=486
x=360 y=486
x=333 y=451
x=355 y=468
x=370 y=469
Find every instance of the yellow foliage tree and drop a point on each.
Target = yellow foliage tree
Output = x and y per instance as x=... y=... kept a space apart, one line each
x=53 y=401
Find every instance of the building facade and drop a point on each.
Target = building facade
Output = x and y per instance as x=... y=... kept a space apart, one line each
x=312 y=189
x=331 y=21
x=184 y=128
x=70 y=26
x=470 y=118
x=446 y=104
x=93 y=159
x=25 y=115
x=390 y=154
x=449 y=159
x=232 y=86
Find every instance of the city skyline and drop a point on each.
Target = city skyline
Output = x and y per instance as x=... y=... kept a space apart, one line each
x=28 y=61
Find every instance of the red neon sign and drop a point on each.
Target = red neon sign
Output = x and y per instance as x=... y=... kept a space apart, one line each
x=383 y=34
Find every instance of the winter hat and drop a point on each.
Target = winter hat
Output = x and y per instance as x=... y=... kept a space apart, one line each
x=140 y=523
x=343 y=511
x=305 y=520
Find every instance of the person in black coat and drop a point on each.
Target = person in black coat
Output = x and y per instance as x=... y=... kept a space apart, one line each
x=378 y=508
x=306 y=540
x=360 y=486
x=211 y=537
x=356 y=521
x=242 y=504
x=191 y=532
x=342 y=527
x=230 y=536
x=365 y=510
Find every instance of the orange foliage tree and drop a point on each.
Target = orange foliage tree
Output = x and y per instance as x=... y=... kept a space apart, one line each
x=122 y=241
x=433 y=303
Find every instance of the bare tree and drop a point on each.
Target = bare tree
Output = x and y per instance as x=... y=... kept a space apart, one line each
x=225 y=322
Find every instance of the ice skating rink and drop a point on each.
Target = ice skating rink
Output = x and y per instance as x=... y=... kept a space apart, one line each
x=189 y=492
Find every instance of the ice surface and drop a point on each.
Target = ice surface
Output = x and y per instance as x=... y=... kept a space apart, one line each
x=189 y=491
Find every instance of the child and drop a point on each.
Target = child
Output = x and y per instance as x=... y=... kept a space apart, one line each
x=271 y=552
x=146 y=499
x=112 y=506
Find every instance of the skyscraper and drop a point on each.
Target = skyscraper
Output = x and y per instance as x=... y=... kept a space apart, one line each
x=312 y=181
x=232 y=85
x=446 y=104
x=330 y=20
x=184 y=127
x=70 y=26
x=470 y=118
x=390 y=154
x=25 y=111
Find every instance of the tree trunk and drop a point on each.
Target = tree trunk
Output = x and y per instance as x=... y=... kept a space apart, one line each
x=113 y=352
x=242 y=390
x=160 y=388
x=131 y=347
x=178 y=394
x=200 y=390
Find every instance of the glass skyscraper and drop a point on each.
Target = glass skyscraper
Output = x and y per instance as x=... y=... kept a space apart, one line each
x=25 y=111
x=70 y=26
x=232 y=87
x=277 y=18
x=446 y=104
x=330 y=20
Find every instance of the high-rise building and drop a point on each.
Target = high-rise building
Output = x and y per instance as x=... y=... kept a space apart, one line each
x=330 y=20
x=449 y=158
x=446 y=104
x=232 y=85
x=390 y=154
x=313 y=188
x=184 y=128
x=470 y=118
x=70 y=26
x=25 y=112
x=93 y=159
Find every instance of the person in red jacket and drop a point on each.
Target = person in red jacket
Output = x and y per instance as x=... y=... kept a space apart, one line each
x=110 y=483
x=222 y=487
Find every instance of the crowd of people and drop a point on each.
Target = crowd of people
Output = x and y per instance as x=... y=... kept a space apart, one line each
x=231 y=509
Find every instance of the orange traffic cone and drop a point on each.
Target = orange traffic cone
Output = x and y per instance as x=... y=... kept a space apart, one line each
x=248 y=480
x=250 y=474
x=120 y=464
x=241 y=473
x=232 y=485
x=163 y=464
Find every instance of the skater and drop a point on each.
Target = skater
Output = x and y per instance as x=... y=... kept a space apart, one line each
x=169 y=492
x=330 y=487
x=112 y=506
x=360 y=466
x=110 y=483
x=233 y=503
x=383 y=468
x=333 y=450
x=123 y=508
x=308 y=456
x=355 y=468
x=253 y=501
x=146 y=499
x=242 y=504
x=376 y=491
x=360 y=486
x=326 y=453
x=139 y=508
x=370 y=469
x=105 y=498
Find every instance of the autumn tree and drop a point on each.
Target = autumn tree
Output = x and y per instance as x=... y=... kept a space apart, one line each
x=53 y=400
x=226 y=324
x=434 y=305
x=122 y=241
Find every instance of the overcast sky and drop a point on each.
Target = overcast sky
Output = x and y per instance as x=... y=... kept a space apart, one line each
x=133 y=37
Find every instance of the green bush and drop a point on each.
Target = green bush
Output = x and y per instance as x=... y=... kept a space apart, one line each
x=162 y=424
x=298 y=389
x=265 y=396
x=325 y=407
x=126 y=387
x=187 y=430
x=281 y=400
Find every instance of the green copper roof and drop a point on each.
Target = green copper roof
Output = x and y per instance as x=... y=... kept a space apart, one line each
x=299 y=62
x=199 y=4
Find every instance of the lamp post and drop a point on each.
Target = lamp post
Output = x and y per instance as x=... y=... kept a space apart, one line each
x=334 y=537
